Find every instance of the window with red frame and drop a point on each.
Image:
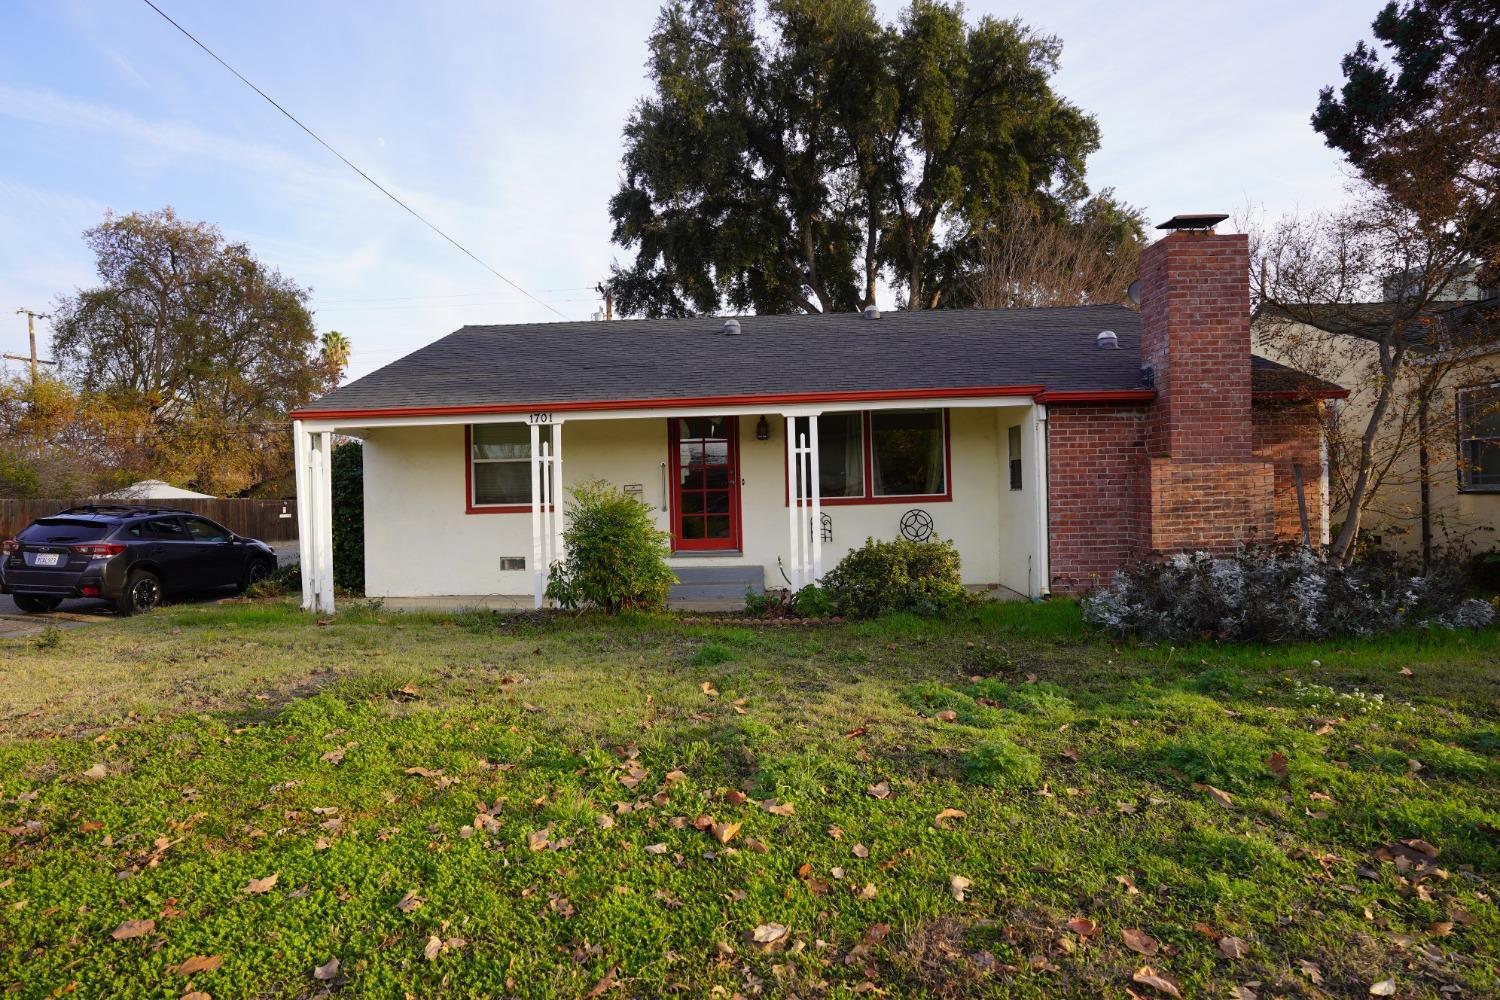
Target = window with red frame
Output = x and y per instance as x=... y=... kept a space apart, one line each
x=881 y=454
x=500 y=460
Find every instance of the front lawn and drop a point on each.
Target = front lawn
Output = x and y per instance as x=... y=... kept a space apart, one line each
x=239 y=801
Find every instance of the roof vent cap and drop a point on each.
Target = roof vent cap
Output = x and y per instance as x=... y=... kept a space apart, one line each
x=1106 y=339
x=871 y=311
x=731 y=328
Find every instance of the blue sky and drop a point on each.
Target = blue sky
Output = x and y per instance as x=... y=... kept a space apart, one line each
x=501 y=122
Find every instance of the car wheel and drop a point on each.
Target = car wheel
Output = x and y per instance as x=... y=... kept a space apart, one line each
x=142 y=593
x=32 y=604
x=259 y=569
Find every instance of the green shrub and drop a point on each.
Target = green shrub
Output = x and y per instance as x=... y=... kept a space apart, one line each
x=1223 y=680
x=812 y=601
x=616 y=558
x=348 y=489
x=285 y=580
x=1000 y=763
x=883 y=577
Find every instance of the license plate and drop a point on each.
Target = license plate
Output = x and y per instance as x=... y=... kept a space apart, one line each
x=47 y=558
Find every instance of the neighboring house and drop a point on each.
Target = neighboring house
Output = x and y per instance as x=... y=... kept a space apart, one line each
x=1458 y=438
x=1051 y=446
x=154 y=489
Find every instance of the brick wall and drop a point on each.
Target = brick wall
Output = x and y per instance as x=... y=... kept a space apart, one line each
x=1199 y=467
x=1287 y=433
x=1195 y=332
x=1096 y=461
x=1209 y=506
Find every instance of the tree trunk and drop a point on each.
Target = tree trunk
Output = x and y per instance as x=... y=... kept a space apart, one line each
x=1343 y=548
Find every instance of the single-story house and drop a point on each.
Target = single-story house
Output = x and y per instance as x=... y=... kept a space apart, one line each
x=1051 y=446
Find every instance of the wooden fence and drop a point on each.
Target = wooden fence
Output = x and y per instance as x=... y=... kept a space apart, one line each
x=268 y=520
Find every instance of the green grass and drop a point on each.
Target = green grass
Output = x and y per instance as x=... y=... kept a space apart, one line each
x=1076 y=760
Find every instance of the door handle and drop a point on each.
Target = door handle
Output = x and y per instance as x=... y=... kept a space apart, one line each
x=665 y=497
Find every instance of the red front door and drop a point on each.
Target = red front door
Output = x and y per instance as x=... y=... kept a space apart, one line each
x=705 y=483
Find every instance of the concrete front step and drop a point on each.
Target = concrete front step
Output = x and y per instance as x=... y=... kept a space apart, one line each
x=715 y=583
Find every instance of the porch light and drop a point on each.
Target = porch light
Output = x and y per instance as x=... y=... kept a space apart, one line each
x=762 y=430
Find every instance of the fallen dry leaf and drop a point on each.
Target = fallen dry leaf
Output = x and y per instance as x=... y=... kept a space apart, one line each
x=434 y=948
x=260 y=885
x=602 y=985
x=1219 y=795
x=1405 y=672
x=947 y=715
x=656 y=848
x=1128 y=883
x=334 y=756
x=409 y=902
x=1083 y=927
x=97 y=771
x=1311 y=971
x=724 y=832
x=199 y=963
x=776 y=809
x=950 y=814
x=1386 y=987
x=957 y=886
x=868 y=892
x=708 y=689
x=1232 y=947
x=1147 y=976
x=768 y=933
x=425 y=772
x=536 y=840
x=860 y=851
x=132 y=929
x=327 y=971
x=1278 y=764
x=1138 y=940
x=879 y=790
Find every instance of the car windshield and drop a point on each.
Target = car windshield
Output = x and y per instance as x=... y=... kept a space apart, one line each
x=62 y=529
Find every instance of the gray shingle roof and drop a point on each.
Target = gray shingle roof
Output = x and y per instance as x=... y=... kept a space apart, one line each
x=550 y=364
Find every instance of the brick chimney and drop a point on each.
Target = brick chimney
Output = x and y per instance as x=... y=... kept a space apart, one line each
x=1205 y=489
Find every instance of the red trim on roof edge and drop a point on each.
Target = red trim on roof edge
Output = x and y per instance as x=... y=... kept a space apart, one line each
x=1098 y=396
x=874 y=395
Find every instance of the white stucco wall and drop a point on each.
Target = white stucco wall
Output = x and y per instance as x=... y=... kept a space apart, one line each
x=420 y=542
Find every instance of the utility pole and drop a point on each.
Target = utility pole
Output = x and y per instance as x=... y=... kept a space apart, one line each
x=31 y=318
x=609 y=299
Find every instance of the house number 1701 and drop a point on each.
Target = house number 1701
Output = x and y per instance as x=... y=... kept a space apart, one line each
x=536 y=419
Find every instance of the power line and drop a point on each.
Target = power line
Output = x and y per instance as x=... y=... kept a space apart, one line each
x=378 y=186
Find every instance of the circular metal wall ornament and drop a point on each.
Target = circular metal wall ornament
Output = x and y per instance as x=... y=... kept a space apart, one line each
x=916 y=525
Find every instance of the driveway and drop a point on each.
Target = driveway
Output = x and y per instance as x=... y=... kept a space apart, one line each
x=15 y=623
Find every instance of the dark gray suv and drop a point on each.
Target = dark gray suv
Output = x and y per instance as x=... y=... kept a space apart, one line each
x=129 y=555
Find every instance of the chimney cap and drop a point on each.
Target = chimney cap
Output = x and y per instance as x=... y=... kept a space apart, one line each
x=1201 y=221
x=1105 y=339
x=871 y=311
x=731 y=328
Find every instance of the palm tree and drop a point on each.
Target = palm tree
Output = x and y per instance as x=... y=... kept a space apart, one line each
x=335 y=355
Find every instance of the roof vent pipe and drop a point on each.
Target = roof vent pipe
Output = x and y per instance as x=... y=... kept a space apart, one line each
x=871 y=311
x=1106 y=339
x=731 y=328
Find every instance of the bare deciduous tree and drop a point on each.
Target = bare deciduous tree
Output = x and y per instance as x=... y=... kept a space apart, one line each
x=1364 y=296
x=1026 y=261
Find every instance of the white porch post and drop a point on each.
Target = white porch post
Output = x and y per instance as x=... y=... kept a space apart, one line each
x=793 y=506
x=815 y=489
x=325 y=518
x=1042 y=535
x=555 y=492
x=305 y=557
x=538 y=571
